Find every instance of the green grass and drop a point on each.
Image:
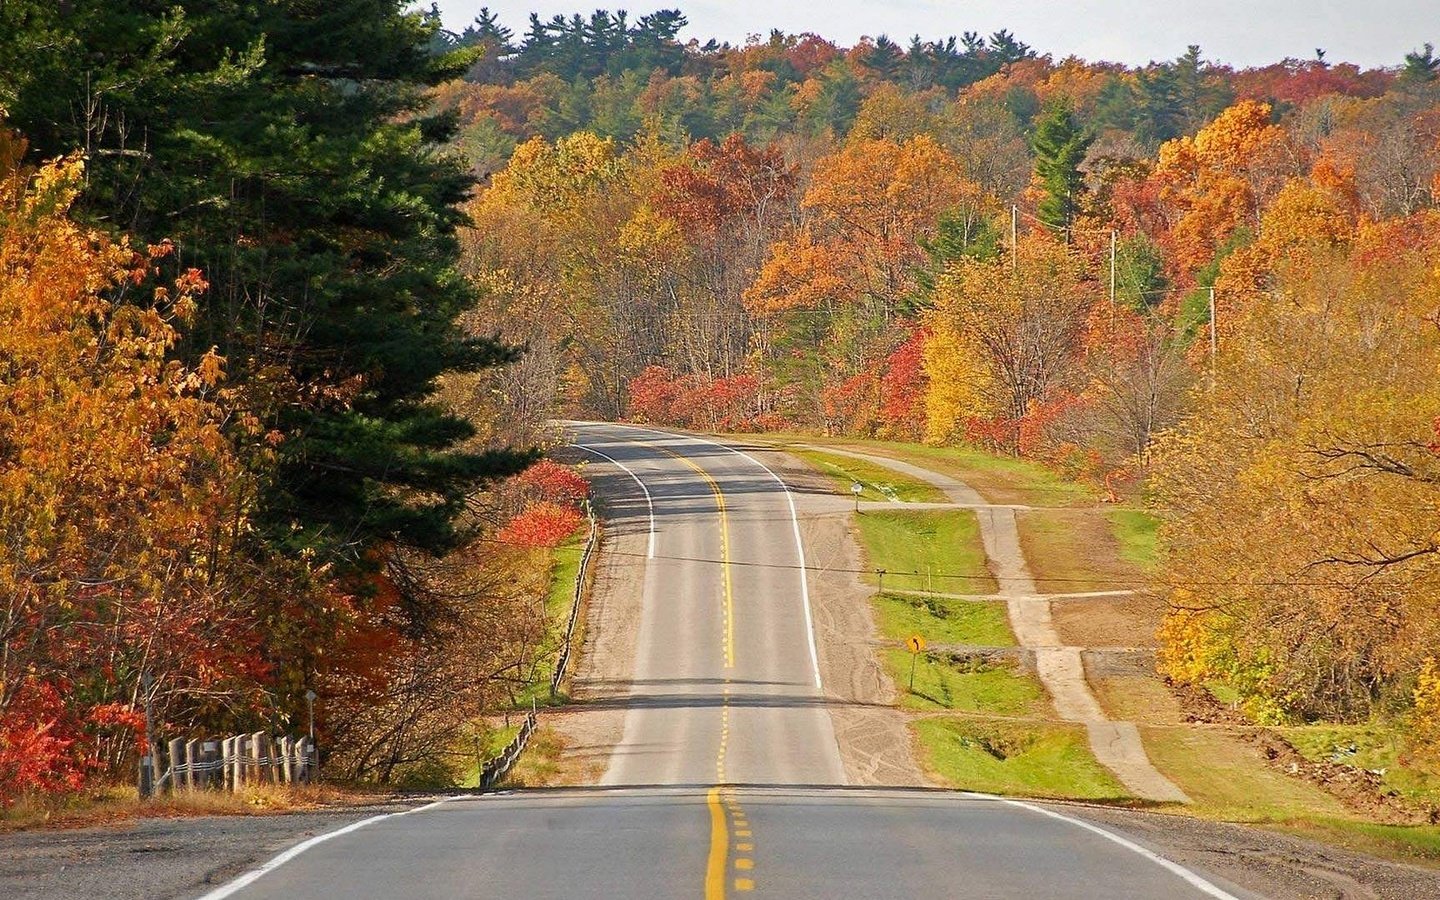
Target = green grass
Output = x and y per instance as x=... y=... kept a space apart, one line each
x=877 y=482
x=1371 y=746
x=943 y=620
x=967 y=684
x=1137 y=533
x=1000 y=479
x=1420 y=841
x=560 y=596
x=1013 y=758
x=564 y=567
x=1228 y=779
x=926 y=549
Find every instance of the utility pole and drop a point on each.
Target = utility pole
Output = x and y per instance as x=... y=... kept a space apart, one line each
x=1112 y=268
x=1213 y=342
x=1014 y=237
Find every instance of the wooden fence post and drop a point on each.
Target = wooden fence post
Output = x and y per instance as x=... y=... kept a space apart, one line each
x=238 y=780
x=192 y=759
x=210 y=755
x=257 y=756
x=177 y=763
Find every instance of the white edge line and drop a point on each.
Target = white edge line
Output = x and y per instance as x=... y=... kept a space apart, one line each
x=795 y=527
x=1195 y=880
x=649 y=503
x=280 y=859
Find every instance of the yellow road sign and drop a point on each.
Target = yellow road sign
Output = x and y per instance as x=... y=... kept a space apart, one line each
x=915 y=642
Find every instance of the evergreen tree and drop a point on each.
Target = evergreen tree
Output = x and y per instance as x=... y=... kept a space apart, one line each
x=1421 y=66
x=1060 y=148
x=284 y=147
x=885 y=58
x=958 y=235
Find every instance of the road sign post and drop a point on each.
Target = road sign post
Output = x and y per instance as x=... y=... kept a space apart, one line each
x=857 y=489
x=915 y=644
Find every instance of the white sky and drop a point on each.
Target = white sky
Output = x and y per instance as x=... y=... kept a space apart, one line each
x=1367 y=32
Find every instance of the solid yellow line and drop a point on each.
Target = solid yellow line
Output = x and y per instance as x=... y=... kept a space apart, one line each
x=724 y=556
x=719 y=848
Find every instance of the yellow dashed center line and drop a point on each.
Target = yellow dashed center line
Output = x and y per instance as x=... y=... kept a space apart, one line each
x=721 y=799
x=728 y=609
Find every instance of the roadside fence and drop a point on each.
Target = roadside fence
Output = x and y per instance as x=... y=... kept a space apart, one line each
x=227 y=764
x=562 y=659
x=497 y=768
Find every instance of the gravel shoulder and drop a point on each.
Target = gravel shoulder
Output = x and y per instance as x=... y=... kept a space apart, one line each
x=1275 y=865
x=156 y=858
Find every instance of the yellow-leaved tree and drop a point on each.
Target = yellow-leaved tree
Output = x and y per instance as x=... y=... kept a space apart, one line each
x=1304 y=491
x=1005 y=339
x=121 y=497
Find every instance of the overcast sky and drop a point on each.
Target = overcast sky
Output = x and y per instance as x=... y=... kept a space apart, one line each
x=1238 y=32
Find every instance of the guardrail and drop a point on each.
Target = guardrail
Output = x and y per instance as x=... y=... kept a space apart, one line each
x=227 y=764
x=562 y=660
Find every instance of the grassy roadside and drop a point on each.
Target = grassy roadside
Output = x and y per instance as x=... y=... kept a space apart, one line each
x=877 y=483
x=966 y=668
x=926 y=550
x=999 y=479
x=113 y=803
x=542 y=752
x=1012 y=758
x=559 y=597
x=1079 y=543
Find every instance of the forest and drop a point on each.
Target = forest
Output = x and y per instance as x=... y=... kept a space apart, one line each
x=290 y=291
x=1210 y=290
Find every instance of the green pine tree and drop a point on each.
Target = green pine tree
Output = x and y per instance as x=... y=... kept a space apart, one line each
x=1060 y=147
x=285 y=149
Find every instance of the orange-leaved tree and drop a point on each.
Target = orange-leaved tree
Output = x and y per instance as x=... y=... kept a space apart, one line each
x=121 y=497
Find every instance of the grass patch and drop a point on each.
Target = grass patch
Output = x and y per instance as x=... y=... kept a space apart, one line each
x=1009 y=758
x=1227 y=778
x=1137 y=532
x=965 y=682
x=877 y=482
x=1373 y=746
x=927 y=549
x=105 y=804
x=943 y=620
x=1073 y=550
x=540 y=763
x=1417 y=841
x=999 y=479
x=560 y=596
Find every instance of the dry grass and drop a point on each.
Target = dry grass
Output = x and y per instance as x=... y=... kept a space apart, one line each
x=108 y=804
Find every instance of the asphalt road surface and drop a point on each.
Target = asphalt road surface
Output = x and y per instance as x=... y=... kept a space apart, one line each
x=727 y=781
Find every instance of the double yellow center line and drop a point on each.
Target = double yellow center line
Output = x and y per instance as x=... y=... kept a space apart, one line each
x=725 y=809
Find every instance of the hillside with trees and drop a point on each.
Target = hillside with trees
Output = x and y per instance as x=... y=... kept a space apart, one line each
x=290 y=290
x=1214 y=288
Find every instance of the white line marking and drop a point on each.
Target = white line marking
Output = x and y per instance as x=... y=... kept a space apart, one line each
x=1194 y=879
x=795 y=527
x=242 y=881
x=650 y=551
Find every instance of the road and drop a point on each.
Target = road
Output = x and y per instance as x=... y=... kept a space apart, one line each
x=728 y=780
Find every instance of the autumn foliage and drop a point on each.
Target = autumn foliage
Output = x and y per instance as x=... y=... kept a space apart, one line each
x=122 y=501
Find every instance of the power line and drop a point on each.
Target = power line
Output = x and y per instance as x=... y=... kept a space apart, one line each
x=1138 y=582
